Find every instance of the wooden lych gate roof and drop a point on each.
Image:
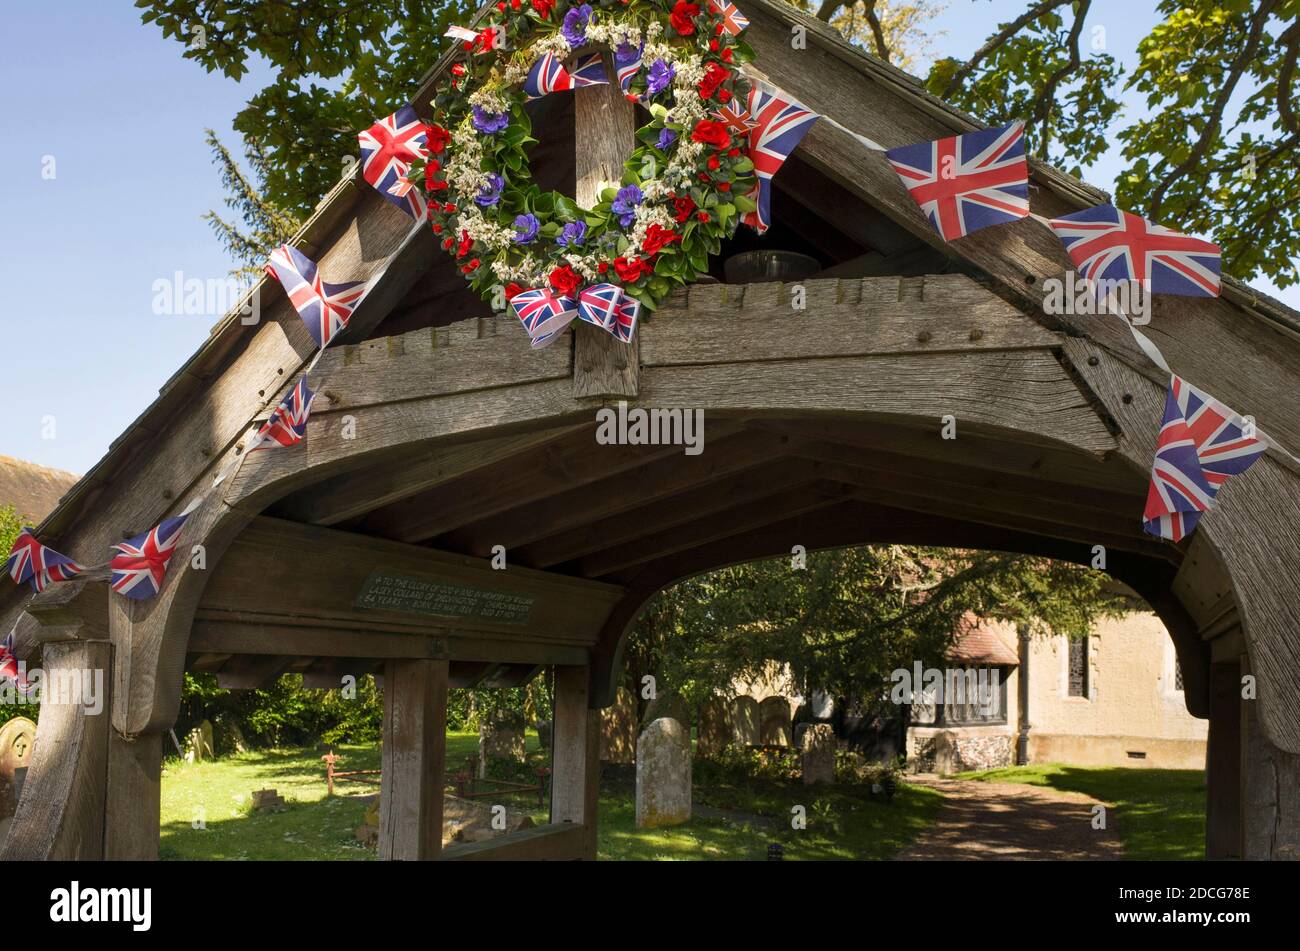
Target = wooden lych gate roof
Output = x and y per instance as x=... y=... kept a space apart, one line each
x=822 y=429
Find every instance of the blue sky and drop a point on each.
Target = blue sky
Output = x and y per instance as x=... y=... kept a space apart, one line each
x=122 y=116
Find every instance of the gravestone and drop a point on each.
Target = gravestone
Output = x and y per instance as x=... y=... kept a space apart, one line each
x=618 y=729
x=16 y=739
x=746 y=720
x=500 y=737
x=198 y=744
x=774 y=722
x=717 y=730
x=663 y=775
x=943 y=747
x=817 y=743
x=543 y=733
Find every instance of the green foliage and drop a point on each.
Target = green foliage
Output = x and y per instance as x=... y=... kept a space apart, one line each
x=338 y=66
x=10 y=525
x=851 y=617
x=268 y=226
x=1217 y=150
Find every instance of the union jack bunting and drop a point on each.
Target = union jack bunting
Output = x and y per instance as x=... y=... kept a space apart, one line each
x=733 y=21
x=781 y=124
x=1201 y=444
x=32 y=562
x=627 y=70
x=9 y=664
x=541 y=311
x=1107 y=244
x=598 y=304
x=140 y=565
x=625 y=324
x=735 y=117
x=325 y=308
x=967 y=182
x=288 y=423
x=546 y=76
x=387 y=149
x=588 y=70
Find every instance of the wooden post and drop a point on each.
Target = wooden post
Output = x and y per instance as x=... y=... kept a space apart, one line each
x=1270 y=791
x=415 y=746
x=61 y=813
x=605 y=134
x=134 y=812
x=1223 y=764
x=575 y=754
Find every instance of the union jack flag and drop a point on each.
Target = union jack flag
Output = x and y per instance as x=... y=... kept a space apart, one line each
x=733 y=21
x=588 y=70
x=1201 y=444
x=288 y=423
x=735 y=117
x=387 y=149
x=625 y=324
x=1107 y=244
x=325 y=308
x=598 y=304
x=541 y=311
x=32 y=562
x=140 y=565
x=967 y=182
x=546 y=76
x=9 y=664
x=781 y=124
x=628 y=68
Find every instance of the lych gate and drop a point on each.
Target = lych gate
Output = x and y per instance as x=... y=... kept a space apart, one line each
x=439 y=435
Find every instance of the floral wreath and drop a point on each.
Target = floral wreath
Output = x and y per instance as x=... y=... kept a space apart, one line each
x=685 y=187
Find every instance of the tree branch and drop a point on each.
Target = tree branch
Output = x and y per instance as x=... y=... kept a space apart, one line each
x=1047 y=96
x=1008 y=31
x=1285 y=74
x=1211 y=129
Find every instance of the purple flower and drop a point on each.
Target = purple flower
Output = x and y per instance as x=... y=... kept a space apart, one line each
x=575 y=25
x=660 y=77
x=490 y=193
x=572 y=235
x=626 y=53
x=666 y=138
x=525 y=229
x=490 y=122
x=624 y=204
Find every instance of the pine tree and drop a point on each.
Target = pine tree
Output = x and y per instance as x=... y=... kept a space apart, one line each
x=268 y=226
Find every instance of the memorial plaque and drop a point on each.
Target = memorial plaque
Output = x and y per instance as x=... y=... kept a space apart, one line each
x=409 y=594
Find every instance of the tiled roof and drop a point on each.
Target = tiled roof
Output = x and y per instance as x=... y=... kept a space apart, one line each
x=31 y=489
x=978 y=643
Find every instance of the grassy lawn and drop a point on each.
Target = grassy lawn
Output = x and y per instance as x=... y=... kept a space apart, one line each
x=843 y=822
x=1159 y=813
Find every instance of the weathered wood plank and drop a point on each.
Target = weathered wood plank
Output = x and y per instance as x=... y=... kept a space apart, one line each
x=575 y=757
x=414 y=756
x=937 y=313
x=540 y=843
x=134 y=807
x=604 y=136
x=61 y=813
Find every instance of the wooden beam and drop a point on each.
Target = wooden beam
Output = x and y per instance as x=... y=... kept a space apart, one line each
x=604 y=136
x=727 y=452
x=562 y=843
x=575 y=755
x=742 y=518
x=134 y=804
x=392 y=480
x=252 y=673
x=522 y=480
x=937 y=313
x=414 y=757
x=61 y=813
x=668 y=512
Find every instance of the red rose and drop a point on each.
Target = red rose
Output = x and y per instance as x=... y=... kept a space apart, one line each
x=714 y=163
x=501 y=6
x=724 y=186
x=449 y=208
x=514 y=4
x=714 y=76
x=657 y=238
x=458 y=69
x=701 y=216
x=683 y=207
x=603 y=267
x=713 y=44
x=438 y=137
x=683 y=17
x=512 y=289
x=466 y=242
x=631 y=270
x=437 y=228
x=724 y=96
x=711 y=133
x=447 y=243
x=734 y=153
x=543 y=7
x=565 y=280
x=431 y=169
